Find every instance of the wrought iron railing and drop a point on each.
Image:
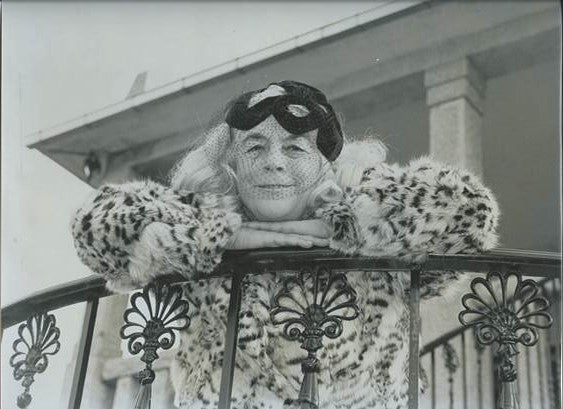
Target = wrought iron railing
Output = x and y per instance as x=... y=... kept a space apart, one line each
x=500 y=324
x=456 y=352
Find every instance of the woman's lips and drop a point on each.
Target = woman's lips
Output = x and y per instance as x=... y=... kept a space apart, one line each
x=274 y=186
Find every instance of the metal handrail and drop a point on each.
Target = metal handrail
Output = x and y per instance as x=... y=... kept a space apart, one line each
x=457 y=346
x=532 y=263
x=237 y=264
x=444 y=338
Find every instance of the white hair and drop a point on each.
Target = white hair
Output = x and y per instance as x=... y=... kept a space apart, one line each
x=355 y=158
x=204 y=169
x=365 y=152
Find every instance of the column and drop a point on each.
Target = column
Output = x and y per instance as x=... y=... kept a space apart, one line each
x=126 y=390
x=454 y=95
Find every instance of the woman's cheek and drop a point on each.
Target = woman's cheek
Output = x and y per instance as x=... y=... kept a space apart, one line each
x=305 y=172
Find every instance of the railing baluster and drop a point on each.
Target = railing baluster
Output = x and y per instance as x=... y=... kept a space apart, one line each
x=433 y=369
x=529 y=377
x=83 y=356
x=329 y=300
x=541 y=389
x=505 y=324
x=493 y=377
x=554 y=377
x=540 y=351
x=229 y=357
x=464 y=370
x=451 y=361
x=414 y=364
x=517 y=369
x=557 y=340
x=479 y=350
x=553 y=342
x=544 y=265
x=549 y=375
x=150 y=324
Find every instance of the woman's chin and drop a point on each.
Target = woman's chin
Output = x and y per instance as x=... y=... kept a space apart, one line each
x=276 y=210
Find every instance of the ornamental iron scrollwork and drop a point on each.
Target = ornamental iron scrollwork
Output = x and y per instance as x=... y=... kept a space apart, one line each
x=38 y=337
x=505 y=310
x=310 y=306
x=155 y=313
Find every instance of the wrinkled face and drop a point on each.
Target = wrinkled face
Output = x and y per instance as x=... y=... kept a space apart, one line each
x=275 y=170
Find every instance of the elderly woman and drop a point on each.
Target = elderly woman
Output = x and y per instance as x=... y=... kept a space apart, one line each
x=276 y=172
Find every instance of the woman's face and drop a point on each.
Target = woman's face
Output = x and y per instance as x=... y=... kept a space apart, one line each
x=275 y=170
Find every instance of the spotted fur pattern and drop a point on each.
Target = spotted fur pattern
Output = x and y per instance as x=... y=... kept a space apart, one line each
x=131 y=233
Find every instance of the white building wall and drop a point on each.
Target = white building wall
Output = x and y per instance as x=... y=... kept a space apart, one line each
x=522 y=155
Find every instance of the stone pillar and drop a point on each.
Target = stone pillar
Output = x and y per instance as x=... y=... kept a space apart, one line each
x=126 y=390
x=454 y=94
x=163 y=392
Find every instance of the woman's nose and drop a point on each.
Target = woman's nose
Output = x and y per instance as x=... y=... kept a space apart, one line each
x=275 y=162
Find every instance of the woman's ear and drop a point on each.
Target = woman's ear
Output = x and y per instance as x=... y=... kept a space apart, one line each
x=217 y=142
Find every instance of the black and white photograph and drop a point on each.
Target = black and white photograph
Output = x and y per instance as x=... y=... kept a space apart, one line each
x=281 y=204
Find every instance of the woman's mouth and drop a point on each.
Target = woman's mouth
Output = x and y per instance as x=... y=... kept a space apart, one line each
x=274 y=186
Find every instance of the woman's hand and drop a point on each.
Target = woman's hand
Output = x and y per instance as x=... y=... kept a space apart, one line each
x=247 y=238
x=315 y=228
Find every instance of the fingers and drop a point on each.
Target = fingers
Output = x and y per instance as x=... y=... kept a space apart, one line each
x=317 y=242
x=275 y=239
x=248 y=238
x=289 y=240
x=316 y=227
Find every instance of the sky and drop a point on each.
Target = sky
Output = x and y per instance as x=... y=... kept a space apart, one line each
x=64 y=59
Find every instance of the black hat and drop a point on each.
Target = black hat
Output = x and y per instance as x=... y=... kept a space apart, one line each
x=320 y=114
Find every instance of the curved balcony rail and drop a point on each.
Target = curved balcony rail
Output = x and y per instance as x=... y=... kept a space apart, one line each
x=35 y=315
x=461 y=355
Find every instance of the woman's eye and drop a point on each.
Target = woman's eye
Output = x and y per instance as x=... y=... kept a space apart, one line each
x=296 y=148
x=255 y=148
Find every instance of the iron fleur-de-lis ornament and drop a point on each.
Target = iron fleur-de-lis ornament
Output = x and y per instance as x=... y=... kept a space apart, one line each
x=38 y=337
x=155 y=313
x=312 y=306
x=505 y=310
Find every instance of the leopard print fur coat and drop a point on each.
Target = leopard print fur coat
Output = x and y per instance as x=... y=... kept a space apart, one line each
x=133 y=232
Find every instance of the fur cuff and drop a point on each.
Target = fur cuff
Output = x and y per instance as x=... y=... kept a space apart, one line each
x=346 y=237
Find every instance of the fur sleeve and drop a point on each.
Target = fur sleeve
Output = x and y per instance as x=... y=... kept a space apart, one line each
x=408 y=212
x=132 y=232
